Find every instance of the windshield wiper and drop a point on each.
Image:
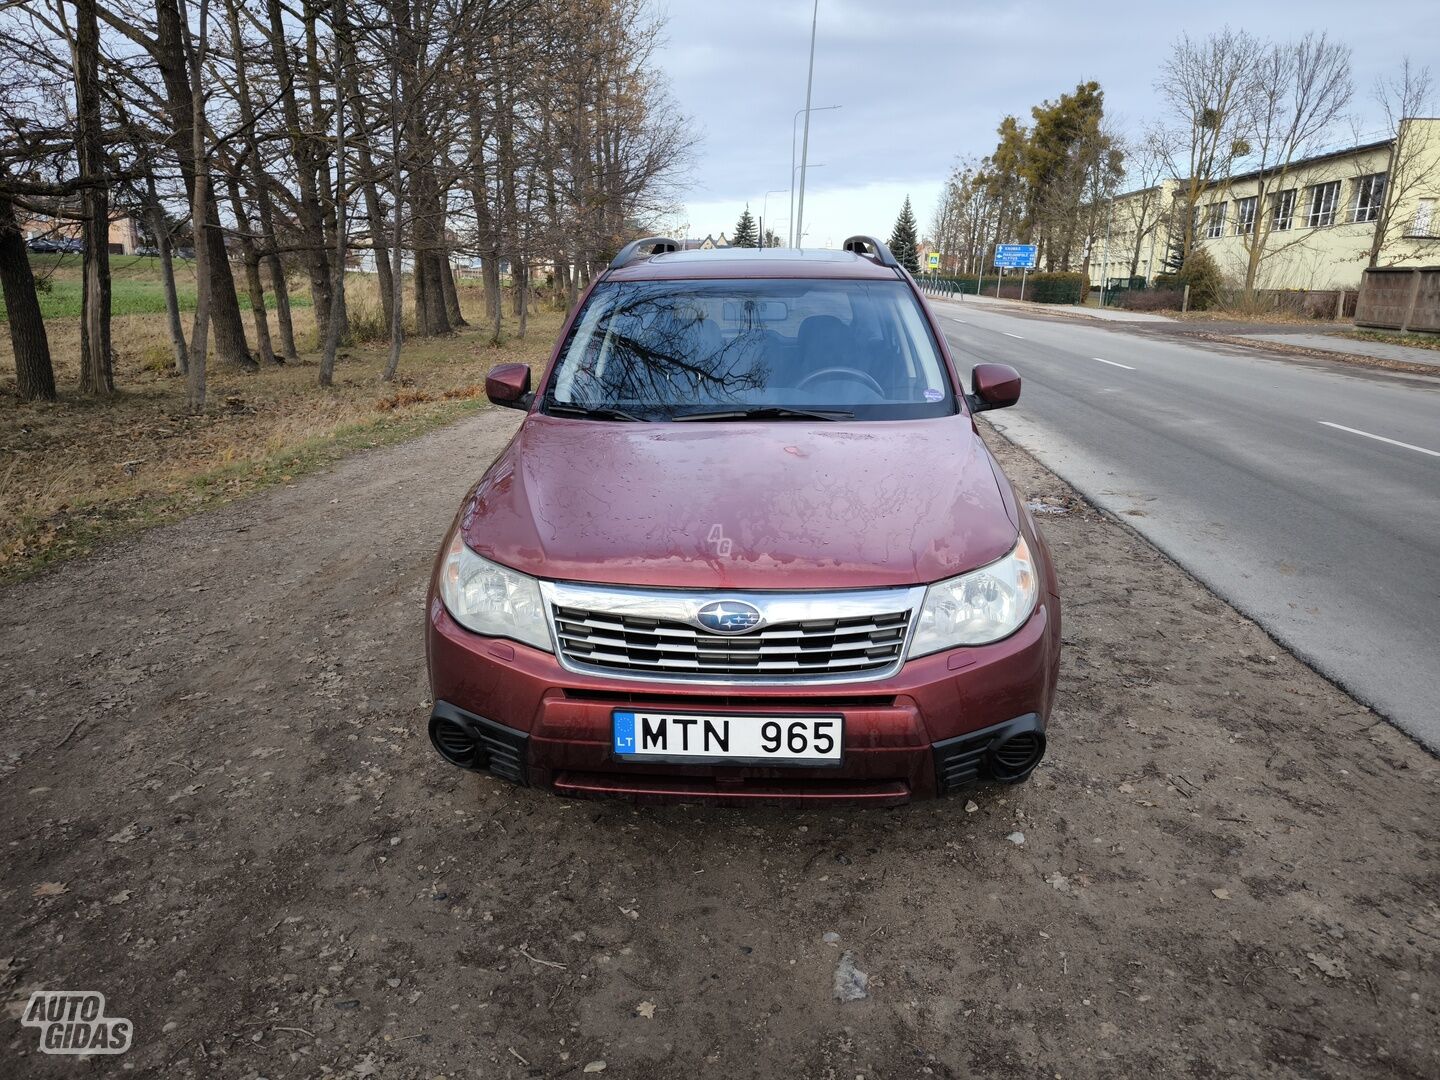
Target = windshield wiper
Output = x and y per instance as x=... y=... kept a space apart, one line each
x=768 y=412
x=596 y=412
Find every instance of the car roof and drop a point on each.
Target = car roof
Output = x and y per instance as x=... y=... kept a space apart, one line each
x=752 y=263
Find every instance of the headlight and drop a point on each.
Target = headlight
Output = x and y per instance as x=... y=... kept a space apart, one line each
x=977 y=608
x=492 y=599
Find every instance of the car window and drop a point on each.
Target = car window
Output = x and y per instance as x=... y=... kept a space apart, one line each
x=662 y=349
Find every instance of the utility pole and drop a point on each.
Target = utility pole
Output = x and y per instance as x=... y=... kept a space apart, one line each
x=790 y=221
x=805 y=142
x=1105 y=258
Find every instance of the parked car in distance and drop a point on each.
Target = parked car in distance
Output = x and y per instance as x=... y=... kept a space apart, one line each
x=45 y=245
x=747 y=544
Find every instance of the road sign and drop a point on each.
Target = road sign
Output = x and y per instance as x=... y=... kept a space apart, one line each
x=933 y=259
x=1015 y=256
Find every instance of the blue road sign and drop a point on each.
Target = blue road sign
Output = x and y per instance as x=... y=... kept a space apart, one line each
x=1015 y=256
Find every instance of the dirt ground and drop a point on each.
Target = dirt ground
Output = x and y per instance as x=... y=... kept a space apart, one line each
x=221 y=810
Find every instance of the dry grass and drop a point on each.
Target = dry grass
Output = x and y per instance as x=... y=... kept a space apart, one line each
x=1394 y=337
x=1246 y=313
x=75 y=472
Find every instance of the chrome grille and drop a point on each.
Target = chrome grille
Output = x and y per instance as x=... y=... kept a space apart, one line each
x=622 y=642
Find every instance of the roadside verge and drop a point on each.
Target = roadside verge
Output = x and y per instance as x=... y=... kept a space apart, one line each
x=1225 y=866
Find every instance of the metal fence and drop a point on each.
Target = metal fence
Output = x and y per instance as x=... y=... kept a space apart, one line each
x=938 y=287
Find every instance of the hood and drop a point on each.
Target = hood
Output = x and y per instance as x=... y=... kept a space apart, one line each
x=741 y=505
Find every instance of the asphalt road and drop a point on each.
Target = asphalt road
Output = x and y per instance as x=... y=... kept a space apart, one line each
x=1306 y=493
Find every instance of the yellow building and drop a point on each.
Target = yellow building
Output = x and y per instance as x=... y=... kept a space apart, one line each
x=1312 y=225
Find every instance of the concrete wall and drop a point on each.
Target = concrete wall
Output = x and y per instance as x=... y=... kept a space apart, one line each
x=1400 y=299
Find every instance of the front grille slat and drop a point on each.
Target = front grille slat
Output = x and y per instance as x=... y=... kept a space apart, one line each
x=615 y=641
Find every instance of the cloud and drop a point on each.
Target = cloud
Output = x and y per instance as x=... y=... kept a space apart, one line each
x=924 y=82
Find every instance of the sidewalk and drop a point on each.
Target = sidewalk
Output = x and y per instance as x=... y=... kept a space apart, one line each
x=1017 y=306
x=1333 y=343
x=1318 y=340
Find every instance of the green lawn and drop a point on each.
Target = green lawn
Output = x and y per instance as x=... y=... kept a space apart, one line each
x=135 y=287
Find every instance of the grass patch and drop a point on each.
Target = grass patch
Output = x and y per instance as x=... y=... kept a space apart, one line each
x=77 y=472
x=135 y=286
x=80 y=527
x=1394 y=337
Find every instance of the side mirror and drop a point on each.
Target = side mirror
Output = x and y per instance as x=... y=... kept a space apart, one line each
x=509 y=385
x=996 y=386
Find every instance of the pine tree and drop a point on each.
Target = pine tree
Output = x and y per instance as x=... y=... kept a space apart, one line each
x=904 y=238
x=746 y=234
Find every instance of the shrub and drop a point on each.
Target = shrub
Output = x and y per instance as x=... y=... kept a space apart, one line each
x=1202 y=274
x=367 y=319
x=1148 y=299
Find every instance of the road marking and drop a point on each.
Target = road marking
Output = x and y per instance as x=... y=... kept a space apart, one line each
x=1008 y=334
x=1380 y=438
x=1112 y=363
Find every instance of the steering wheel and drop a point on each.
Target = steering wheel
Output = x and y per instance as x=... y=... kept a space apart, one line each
x=831 y=372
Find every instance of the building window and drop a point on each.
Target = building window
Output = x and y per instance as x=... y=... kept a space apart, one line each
x=1282 y=210
x=1215 y=220
x=1244 y=216
x=1369 y=194
x=1324 y=198
x=1424 y=220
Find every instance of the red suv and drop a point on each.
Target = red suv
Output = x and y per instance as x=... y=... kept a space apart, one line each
x=746 y=545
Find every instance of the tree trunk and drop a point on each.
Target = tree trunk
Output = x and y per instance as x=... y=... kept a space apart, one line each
x=452 y=295
x=379 y=245
x=193 y=53
x=252 y=273
x=229 y=327
x=397 y=194
x=337 y=328
x=161 y=229
x=310 y=216
x=34 y=374
x=97 y=376
x=260 y=193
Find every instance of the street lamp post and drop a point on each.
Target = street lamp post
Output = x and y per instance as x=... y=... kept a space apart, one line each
x=764 y=206
x=793 y=121
x=805 y=142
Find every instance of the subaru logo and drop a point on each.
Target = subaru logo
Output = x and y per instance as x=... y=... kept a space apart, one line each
x=728 y=617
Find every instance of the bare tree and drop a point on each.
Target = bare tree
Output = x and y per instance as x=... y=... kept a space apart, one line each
x=1300 y=90
x=1146 y=168
x=194 y=51
x=336 y=326
x=96 y=365
x=1205 y=84
x=1402 y=98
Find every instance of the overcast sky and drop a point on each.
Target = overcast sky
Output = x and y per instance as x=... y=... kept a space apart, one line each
x=923 y=82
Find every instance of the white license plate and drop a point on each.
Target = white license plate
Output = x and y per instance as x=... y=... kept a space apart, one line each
x=698 y=738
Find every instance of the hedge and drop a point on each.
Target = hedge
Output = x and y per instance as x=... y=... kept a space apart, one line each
x=1045 y=288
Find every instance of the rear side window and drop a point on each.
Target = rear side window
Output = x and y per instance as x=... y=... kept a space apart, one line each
x=660 y=349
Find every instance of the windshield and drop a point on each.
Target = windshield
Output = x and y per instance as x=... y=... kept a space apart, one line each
x=659 y=350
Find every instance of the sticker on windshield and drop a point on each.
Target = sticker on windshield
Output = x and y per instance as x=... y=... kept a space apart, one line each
x=932 y=394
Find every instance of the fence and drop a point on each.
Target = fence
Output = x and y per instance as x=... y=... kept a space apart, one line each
x=1320 y=304
x=1400 y=298
x=1043 y=288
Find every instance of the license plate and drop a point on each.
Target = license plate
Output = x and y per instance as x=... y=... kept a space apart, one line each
x=698 y=738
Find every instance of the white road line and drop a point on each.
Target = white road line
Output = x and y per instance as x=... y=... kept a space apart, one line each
x=1112 y=363
x=1008 y=334
x=1380 y=438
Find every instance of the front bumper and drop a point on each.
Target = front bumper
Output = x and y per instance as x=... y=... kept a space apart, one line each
x=930 y=728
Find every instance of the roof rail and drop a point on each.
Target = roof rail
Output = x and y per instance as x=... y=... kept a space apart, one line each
x=876 y=250
x=631 y=251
